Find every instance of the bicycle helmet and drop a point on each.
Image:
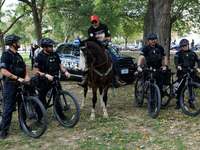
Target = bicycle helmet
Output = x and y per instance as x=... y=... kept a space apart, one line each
x=12 y=38
x=151 y=35
x=184 y=42
x=44 y=42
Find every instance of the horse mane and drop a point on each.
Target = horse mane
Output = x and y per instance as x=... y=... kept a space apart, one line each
x=82 y=43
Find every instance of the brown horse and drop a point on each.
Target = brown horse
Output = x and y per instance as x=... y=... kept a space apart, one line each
x=100 y=67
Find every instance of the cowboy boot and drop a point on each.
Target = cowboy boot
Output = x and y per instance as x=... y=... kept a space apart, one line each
x=84 y=81
x=118 y=83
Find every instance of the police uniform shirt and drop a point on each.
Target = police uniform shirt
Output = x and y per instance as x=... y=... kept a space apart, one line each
x=146 y=52
x=99 y=33
x=41 y=60
x=7 y=59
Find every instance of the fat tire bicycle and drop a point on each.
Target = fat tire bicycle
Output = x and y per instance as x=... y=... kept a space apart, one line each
x=65 y=105
x=29 y=109
x=146 y=87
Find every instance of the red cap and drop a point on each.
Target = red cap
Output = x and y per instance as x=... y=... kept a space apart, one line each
x=94 y=17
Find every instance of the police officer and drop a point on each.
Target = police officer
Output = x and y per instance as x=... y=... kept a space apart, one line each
x=12 y=65
x=47 y=64
x=154 y=55
x=183 y=59
x=100 y=32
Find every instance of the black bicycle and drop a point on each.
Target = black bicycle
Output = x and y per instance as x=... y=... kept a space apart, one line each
x=32 y=114
x=146 y=87
x=190 y=92
x=1 y=101
x=65 y=104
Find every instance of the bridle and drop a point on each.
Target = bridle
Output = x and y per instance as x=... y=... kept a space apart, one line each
x=92 y=67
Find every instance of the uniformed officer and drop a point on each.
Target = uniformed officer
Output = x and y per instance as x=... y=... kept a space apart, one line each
x=47 y=63
x=154 y=55
x=183 y=59
x=12 y=65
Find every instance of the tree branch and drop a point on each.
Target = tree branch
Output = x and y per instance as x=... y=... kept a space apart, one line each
x=41 y=9
x=26 y=1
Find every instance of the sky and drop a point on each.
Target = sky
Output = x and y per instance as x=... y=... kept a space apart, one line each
x=8 y=2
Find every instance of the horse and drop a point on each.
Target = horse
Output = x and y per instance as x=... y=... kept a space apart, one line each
x=100 y=66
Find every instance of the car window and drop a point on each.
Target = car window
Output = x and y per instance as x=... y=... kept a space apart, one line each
x=68 y=49
x=60 y=49
x=76 y=51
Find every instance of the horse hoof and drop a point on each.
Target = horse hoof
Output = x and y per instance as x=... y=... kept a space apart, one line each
x=92 y=118
x=82 y=107
x=106 y=116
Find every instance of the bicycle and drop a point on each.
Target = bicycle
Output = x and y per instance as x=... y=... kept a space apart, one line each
x=146 y=87
x=65 y=104
x=189 y=94
x=1 y=101
x=32 y=114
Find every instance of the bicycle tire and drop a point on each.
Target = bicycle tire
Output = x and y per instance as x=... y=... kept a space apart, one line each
x=1 y=110
x=139 y=92
x=154 y=101
x=185 y=101
x=66 y=109
x=167 y=94
x=35 y=122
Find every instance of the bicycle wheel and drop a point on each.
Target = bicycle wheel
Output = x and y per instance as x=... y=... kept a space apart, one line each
x=154 y=100
x=66 y=109
x=190 y=99
x=167 y=94
x=139 y=92
x=32 y=117
x=1 y=110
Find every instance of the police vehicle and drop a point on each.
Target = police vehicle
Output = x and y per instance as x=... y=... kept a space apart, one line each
x=70 y=58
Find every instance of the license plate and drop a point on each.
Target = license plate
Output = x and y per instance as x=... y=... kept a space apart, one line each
x=124 y=71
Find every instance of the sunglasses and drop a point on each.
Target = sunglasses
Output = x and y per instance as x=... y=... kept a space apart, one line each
x=50 y=46
x=94 y=21
x=183 y=45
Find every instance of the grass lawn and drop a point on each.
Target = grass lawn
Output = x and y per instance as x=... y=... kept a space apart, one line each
x=128 y=127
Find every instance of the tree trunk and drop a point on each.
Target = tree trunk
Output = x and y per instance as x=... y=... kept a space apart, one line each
x=38 y=29
x=2 y=42
x=157 y=20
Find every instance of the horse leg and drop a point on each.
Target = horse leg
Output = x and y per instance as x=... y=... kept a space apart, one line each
x=101 y=97
x=84 y=98
x=94 y=100
x=105 y=113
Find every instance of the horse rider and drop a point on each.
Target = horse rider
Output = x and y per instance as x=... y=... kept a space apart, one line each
x=154 y=55
x=100 y=32
x=12 y=65
x=183 y=59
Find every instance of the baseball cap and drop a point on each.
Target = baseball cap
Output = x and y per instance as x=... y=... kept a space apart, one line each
x=94 y=17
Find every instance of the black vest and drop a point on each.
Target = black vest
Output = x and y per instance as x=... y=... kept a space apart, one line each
x=154 y=59
x=18 y=66
x=188 y=58
x=52 y=66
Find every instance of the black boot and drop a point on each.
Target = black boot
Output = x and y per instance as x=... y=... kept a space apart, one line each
x=4 y=134
x=192 y=105
x=118 y=83
x=178 y=106
x=84 y=82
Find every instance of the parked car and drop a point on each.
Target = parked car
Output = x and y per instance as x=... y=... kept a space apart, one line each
x=138 y=47
x=197 y=47
x=70 y=58
x=176 y=47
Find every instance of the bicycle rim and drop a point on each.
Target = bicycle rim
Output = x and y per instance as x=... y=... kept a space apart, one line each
x=154 y=101
x=66 y=109
x=190 y=99
x=32 y=117
x=139 y=92
x=167 y=95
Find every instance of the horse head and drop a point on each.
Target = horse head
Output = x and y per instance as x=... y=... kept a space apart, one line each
x=93 y=52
